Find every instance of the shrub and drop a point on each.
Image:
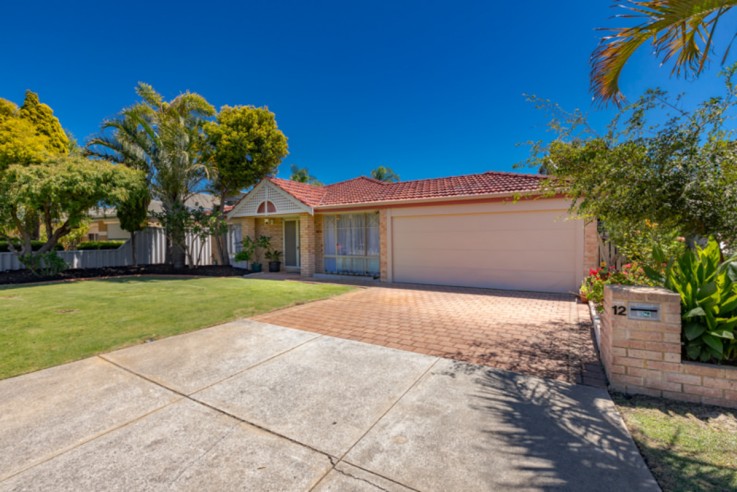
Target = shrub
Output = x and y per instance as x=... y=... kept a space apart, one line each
x=592 y=287
x=708 y=289
x=45 y=264
x=35 y=245
x=100 y=245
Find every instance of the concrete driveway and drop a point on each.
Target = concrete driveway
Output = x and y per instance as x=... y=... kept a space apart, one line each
x=252 y=406
x=544 y=335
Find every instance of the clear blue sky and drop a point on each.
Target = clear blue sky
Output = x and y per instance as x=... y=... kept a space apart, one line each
x=429 y=88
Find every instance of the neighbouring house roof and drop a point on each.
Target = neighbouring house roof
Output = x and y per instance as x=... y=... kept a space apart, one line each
x=204 y=200
x=364 y=190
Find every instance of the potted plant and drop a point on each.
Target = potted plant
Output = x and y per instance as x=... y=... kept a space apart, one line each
x=249 y=252
x=274 y=258
x=261 y=244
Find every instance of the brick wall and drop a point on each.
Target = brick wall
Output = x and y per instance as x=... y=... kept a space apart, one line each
x=644 y=357
x=248 y=227
x=590 y=246
x=307 y=244
x=383 y=244
x=319 y=245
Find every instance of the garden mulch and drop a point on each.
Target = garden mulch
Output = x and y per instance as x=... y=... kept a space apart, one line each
x=26 y=277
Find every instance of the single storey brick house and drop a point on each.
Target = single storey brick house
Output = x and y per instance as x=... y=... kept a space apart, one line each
x=460 y=230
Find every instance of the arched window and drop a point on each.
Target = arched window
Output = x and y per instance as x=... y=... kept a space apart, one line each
x=266 y=207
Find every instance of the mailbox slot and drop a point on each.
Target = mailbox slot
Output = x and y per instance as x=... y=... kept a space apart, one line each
x=644 y=312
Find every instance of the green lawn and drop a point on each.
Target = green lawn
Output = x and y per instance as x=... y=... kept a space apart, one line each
x=688 y=447
x=47 y=325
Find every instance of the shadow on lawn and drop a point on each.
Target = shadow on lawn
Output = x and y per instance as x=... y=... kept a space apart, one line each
x=677 y=470
x=563 y=436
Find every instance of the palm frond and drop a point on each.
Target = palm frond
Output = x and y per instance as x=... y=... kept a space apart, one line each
x=680 y=30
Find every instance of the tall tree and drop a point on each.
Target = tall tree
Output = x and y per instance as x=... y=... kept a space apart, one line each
x=122 y=141
x=168 y=138
x=29 y=134
x=42 y=117
x=245 y=145
x=302 y=175
x=385 y=173
x=680 y=30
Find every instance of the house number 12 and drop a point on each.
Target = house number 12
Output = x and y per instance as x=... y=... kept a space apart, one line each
x=619 y=310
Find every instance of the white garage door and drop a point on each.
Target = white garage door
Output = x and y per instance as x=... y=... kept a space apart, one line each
x=530 y=250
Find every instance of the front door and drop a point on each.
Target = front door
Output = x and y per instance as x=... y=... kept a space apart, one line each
x=291 y=245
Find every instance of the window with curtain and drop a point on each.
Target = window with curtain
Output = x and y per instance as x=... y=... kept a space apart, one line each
x=351 y=244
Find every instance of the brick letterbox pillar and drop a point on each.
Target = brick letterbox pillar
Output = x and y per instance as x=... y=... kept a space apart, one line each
x=640 y=339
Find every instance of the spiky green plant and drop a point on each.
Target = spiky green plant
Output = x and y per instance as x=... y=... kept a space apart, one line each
x=166 y=139
x=680 y=30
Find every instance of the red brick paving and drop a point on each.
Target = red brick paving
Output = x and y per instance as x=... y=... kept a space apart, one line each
x=546 y=335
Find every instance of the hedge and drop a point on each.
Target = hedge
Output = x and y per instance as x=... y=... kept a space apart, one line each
x=100 y=245
x=35 y=245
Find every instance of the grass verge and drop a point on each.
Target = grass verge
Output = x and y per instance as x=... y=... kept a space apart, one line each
x=47 y=325
x=687 y=446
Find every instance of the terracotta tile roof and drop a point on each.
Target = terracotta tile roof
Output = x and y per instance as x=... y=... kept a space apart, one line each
x=367 y=190
x=308 y=194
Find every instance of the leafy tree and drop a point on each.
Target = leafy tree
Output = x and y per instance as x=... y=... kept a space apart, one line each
x=122 y=141
x=46 y=124
x=166 y=138
x=682 y=30
x=245 y=145
x=60 y=191
x=29 y=134
x=302 y=175
x=385 y=174
x=132 y=213
x=677 y=178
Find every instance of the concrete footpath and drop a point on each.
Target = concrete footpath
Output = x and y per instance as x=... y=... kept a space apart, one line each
x=252 y=406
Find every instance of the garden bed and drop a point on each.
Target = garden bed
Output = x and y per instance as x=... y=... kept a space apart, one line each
x=25 y=276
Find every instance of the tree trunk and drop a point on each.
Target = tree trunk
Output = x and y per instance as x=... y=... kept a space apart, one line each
x=221 y=241
x=178 y=256
x=133 y=248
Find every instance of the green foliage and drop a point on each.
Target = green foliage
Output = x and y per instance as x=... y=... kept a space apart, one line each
x=592 y=287
x=44 y=264
x=680 y=30
x=252 y=248
x=72 y=240
x=60 y=192
x=46 y=124
x=96 y=245
x=166 y=140
x=245 y=146
x=677 y=178
x=302 y=175
x=133 y=211
x=708 y=290
x=636 y=244
x=384 y=173
x=35 y=246
x=273 y=255
x=29 y=134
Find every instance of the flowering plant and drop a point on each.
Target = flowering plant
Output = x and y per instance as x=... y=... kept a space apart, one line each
x=592 y=287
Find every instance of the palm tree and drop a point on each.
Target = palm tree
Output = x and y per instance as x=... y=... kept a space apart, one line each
x=383 y=173
x=165 y=139
x=682 y=30
x=302 y=175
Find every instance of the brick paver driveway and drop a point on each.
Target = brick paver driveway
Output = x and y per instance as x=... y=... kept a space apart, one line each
x=546 y=335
